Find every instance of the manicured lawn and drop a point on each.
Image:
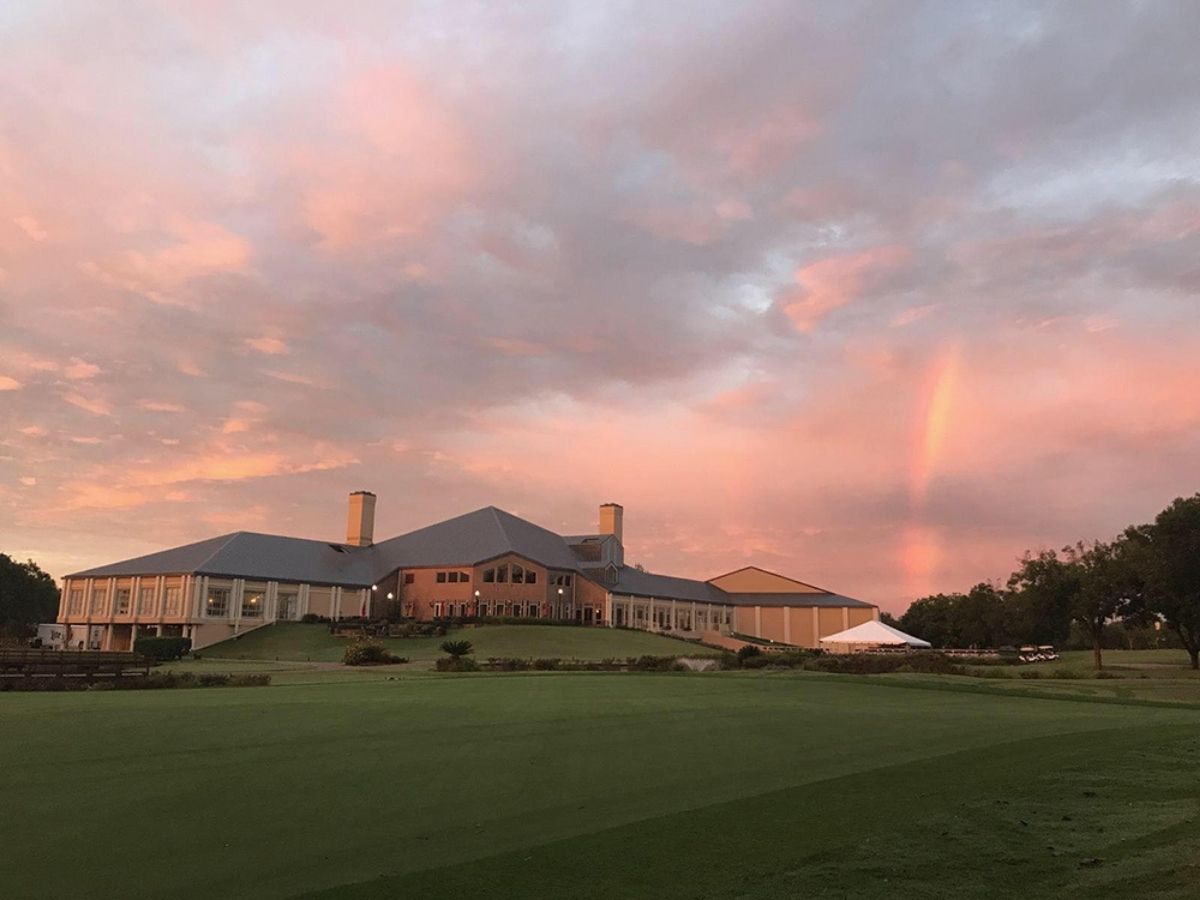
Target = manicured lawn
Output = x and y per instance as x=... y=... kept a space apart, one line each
x=294 y=641
x=1125 y=663
x=595 y=785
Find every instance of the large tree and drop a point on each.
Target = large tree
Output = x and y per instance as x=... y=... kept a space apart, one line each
x=1091 y=584
x=1041 y=593
x=1108 y=589
x=1167 y=553
x=933 y=619
x=27 y=596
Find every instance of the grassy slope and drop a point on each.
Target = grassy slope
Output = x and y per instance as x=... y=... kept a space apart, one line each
x=586 y=785
x=293 y=641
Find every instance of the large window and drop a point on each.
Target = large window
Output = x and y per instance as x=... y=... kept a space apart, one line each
x=409 y=577
x=518 y=574
x=76 y=601
x=287 y=606
x=252 y=604
x=561 y=580
x=99 y=600
x=122 y=601
x=489 y=576
x=441 y=577
x=530 y=576
x=146 y=601
x=217 y=605
x=172 y=604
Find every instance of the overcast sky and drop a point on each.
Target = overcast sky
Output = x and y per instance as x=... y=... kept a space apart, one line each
x=877 y=295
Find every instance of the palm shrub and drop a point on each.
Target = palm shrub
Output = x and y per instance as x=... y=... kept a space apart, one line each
x=457 y=649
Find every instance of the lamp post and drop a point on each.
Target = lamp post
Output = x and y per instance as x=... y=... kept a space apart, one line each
x=477 y=603
x=560 y=609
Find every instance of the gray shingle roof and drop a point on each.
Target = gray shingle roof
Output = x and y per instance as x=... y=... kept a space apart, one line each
x=806 y=599
x=245 y=554
x=472 y=538
x=465 y=540
x=631 y=581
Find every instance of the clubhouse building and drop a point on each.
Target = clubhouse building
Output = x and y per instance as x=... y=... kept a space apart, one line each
x=484 y=563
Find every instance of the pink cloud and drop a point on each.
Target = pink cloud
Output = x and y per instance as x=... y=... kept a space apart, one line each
x=831 y=283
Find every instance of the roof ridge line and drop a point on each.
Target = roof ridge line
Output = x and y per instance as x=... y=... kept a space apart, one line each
x=225 y=543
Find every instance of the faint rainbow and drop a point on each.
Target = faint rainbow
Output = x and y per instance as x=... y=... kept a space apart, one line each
x=920 y=547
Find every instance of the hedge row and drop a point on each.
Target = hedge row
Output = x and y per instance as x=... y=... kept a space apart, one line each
x=162 y=649
x=153 y=681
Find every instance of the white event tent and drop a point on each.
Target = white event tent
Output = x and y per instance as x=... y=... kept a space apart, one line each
x=873 y=634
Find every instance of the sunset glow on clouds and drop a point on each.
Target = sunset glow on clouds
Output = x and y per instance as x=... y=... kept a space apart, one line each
x=880 y=296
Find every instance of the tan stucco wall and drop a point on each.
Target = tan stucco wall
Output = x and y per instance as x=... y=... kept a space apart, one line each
x=859 y=616
x=830 y=619
x=801 y=627
x=753 y=580
x=772 y=623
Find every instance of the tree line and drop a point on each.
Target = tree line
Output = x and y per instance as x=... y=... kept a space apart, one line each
x=27 y=596
x=1149 y=576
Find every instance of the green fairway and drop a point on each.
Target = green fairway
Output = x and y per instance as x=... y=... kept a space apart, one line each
x=594 y=785
x=294 y=641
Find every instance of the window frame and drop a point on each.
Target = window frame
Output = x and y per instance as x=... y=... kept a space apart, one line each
x=258 y=610
x=210 y=607
x=146 y=608
x=287 y=604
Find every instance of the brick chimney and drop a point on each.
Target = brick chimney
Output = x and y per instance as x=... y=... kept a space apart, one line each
x=360 y=519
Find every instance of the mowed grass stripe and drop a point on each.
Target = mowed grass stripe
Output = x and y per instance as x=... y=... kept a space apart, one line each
x=274 y=792
x=1114 y=813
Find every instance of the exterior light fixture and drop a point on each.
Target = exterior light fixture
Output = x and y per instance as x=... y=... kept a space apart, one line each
x=391 y=595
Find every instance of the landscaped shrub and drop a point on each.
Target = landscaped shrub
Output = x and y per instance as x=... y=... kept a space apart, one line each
x=546 y=665
x=456 y=664
x=457 y=649
x=758 y=661
x=369 y=653
x=314 y=619
x=654 y=664
x=153 y=681
x=881 y=663
x=508 y=664
x=162 y=649
x=746 y=651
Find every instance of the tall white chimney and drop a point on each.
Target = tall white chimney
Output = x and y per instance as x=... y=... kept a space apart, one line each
x=360 y=519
